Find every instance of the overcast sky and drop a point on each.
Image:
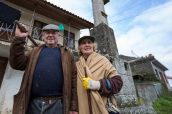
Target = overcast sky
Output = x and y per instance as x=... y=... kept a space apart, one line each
x=141 y=27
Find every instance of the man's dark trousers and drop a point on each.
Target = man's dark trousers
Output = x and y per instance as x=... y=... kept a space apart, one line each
x=40 y=106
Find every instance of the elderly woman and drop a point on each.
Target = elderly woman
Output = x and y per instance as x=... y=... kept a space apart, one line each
x=97 y=79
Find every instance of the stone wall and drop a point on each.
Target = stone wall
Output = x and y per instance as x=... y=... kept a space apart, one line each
x=127 y=96
x=105 y=39
x=148 y=92
x=140 y=68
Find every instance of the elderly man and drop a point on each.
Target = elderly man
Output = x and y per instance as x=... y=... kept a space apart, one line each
x=49 y=81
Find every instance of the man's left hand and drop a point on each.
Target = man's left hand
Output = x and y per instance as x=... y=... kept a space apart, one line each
x=73 y=112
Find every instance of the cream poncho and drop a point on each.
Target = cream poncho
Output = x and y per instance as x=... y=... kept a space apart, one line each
x=97 y=67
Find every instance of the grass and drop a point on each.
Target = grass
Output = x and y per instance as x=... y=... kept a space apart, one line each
x=163 y=105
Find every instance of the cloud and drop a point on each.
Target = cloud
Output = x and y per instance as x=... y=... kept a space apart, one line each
x=150 y=32
x=82 y=8
x=142 y=27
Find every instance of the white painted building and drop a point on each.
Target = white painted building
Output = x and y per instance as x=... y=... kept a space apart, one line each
x=35 y=14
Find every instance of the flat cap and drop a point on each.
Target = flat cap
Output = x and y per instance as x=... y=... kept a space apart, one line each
x=51 y=27
x=86 y=37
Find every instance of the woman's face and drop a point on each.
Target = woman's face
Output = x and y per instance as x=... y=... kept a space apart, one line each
x=86 y=47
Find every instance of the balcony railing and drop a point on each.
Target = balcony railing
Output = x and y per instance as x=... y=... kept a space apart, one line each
x=7 y=34
x=7 y=31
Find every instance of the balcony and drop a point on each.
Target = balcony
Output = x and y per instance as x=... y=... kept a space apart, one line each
x=7 y=32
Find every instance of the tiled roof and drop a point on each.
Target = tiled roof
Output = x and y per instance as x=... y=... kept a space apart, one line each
x=127 y=58
x=150 y=58
x=54 y=12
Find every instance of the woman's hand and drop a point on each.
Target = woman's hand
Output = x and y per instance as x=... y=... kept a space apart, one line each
x=89 y=83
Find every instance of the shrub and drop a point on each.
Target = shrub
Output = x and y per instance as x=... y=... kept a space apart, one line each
x=163 y=105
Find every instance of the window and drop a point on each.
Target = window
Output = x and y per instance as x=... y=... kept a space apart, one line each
x=36 y=31
x=160 y=75
x=69 y=39
x=126 y=66
x=156 y=73
x=7 y=16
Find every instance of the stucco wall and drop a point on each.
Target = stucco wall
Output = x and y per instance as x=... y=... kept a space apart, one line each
x=10 y=86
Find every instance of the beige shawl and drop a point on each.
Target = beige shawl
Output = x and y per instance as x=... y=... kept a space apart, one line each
x=97 y=67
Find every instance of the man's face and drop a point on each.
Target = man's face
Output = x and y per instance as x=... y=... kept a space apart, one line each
x=50 y=37
x=86 y=47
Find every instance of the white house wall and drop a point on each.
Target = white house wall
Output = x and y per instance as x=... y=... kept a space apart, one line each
x=12 y=78
x=4 y=49
x=10 y=86
x=26 y=18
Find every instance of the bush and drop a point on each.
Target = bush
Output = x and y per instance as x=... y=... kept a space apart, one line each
x=163 y=105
